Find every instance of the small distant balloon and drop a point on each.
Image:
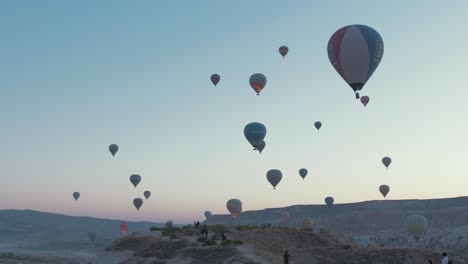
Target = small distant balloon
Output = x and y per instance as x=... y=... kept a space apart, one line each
x=113 y=148
x=258 y=82
x=274 y=177
x=135 y=179
x=416 y=225
x=215 y=78
x=329 y=201
x=307 y=223
x=147 y=194
x=207 y=214
x=234 y=207
x=283 y=50
x=92 y=236
x=365 y=100
x=384 y=190
x=123 y=227
x=261 y=146
x=255 y=133
x=386 y=161
x=137 y=202
x=303 y=172
x=318 y=125
x=76 y=195
x=285 y=216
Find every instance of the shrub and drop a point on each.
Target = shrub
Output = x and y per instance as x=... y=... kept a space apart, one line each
x=202 y=239
x=169 y=224
x=154 y=228
x=232 y=242
x=209 y=242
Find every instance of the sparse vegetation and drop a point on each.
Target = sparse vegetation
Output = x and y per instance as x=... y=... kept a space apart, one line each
x=154 y=228
x=232 y=242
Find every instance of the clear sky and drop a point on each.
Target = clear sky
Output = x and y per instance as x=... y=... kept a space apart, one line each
x=76 y=76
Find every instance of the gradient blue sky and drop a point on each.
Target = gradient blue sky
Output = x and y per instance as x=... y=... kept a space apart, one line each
x=76 y=76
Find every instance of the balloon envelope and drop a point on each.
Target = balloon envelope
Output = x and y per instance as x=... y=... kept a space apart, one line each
x=355 y=51
x=283 y=50
x=416 y=225
x=207 y=214
x=285 y=216
x=384 y=190
x=365 y=100
x=76 y=195
x=386 y=161
x=137 y=202
x=318 y=125
x=135 y=179
x=234 y=207
x=307 y=223
x=329 y=201
x=123 y=227
x=257 y=82
x=303 y=172
x=147 y=194
x=261 y=146
x=215 y=79
x=274 y=177
x=255 y=133
x=113 y=148
x=92 y=236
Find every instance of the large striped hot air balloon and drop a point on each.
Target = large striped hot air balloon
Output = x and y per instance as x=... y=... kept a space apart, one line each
x=123 y=227
x=355 y=51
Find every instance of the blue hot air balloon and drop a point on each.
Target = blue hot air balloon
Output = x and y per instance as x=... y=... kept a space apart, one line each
x=329 y=201
x=255 y=133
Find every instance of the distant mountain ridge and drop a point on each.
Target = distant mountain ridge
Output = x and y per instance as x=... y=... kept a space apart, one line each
x=359 y=218
x=30 y=225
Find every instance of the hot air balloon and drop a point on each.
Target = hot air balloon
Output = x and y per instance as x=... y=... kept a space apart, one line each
x=283 y=50
x=329 y=201
x=215 y=79
x=113 y=148
x=303 y=172
x=123 y=227
x=274 y=177
x=92 y=236
x=255 y=133
x=135 y=179
x=261 y=146
x=307 y=223
x=234 y=206
x=416 y=225
x=137 y=202
x=147 y=194
x=207 y=214
x=318 y=125
x=384 y=189
x=355 y=51
x=76 y=195
x=285 y=216
x=386 y=161
x=365 y=100
x=257 y=82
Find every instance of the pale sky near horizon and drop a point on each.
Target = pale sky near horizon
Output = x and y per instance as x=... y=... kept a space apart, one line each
x=78 y=76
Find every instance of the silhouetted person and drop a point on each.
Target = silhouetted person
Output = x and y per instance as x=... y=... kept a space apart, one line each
x=430 y=261
x=286 y=257
x=204 y=231
x=445 y=259
x=223 y=236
